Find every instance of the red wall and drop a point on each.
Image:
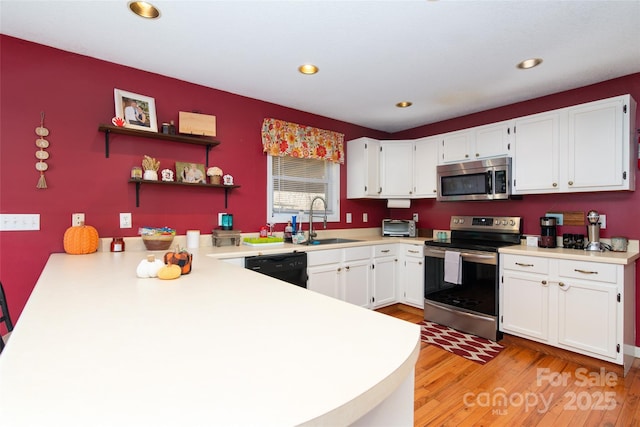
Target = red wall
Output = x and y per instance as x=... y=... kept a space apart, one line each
x=76 y=94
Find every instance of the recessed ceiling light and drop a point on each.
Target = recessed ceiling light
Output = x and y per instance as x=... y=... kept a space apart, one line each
x=144 y=9
x=404 y=104
x=529 y=63
x=308 y=69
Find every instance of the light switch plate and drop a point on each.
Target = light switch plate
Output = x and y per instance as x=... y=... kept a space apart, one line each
x=365 y=217
x=19 y=222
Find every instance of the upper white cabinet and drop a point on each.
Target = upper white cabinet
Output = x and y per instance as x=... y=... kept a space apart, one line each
x=536 y=154
x=588 y=147
x=476 y=143
x=363 y=168
x=396 y=169
x=425 y=161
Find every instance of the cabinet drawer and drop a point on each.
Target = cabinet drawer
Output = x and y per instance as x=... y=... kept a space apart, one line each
x=357 y=253
x=588 y=271
x=331 y=256
x=528 y=264
x=413 y=251
x=384 y=250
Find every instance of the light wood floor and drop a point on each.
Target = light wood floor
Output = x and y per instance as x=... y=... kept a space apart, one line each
x=540 y=389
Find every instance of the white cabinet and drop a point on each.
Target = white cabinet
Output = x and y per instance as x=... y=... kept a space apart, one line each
x=598 y=146
x=384 y=280
x=341 y=273
x=363 y=168
x=581 y=306
x=234 y=261
x=425 y=161
x=588 y=147
x=396 y=169
x=355 y=276
x=536 y=159
x=323 y=269
x=476 y=143
x=411 y=282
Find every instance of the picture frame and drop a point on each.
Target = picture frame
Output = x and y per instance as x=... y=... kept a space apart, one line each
x=138 y=111
x=191 y=173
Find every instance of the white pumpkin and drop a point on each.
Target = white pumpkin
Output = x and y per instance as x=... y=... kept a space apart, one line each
x=149 y=267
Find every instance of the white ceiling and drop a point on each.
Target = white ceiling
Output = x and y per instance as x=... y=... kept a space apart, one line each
x=449 y=58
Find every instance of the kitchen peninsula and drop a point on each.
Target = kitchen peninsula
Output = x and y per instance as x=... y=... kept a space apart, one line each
x=221 y=346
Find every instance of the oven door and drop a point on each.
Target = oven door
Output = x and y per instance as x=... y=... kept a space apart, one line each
x=472 y=305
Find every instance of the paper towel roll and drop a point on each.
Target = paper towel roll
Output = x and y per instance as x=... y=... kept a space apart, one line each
x=193 y=239
x=399 y=203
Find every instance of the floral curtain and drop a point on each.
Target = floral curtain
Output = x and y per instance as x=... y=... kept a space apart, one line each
x=280 y=138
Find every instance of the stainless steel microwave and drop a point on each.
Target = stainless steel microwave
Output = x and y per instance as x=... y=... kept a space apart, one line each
x=488 y=179
x=399 y=227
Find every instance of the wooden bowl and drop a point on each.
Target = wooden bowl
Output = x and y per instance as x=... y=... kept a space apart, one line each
x=158 y=242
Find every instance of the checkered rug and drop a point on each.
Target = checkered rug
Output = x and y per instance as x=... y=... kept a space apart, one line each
x=472 y=347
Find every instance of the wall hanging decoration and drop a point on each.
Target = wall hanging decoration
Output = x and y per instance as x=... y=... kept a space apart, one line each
x=138 y=111
x=42 y=155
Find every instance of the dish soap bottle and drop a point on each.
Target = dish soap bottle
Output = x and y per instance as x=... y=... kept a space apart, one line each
x=288 y=232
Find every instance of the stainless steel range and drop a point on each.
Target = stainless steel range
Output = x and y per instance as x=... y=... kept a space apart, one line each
x=461 y=273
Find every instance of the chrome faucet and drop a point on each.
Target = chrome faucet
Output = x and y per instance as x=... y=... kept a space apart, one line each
x=312 y=233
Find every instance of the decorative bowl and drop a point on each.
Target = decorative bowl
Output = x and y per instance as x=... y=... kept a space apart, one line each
x=157 y=242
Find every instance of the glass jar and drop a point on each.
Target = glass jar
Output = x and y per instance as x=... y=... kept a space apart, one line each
x=117 y=244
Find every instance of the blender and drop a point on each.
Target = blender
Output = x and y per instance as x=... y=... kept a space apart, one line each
x=593 y=232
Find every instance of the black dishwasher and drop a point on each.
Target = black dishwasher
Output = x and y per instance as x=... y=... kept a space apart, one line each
x=290 y=267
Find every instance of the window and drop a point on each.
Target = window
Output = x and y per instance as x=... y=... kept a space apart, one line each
x=293 y=182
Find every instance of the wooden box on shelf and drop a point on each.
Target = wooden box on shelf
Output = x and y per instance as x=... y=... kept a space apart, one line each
x=196 y=124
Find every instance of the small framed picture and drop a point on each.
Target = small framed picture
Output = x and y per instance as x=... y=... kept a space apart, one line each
x=190 y=172
x=138 y=111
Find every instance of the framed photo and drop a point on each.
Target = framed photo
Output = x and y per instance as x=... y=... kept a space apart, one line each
x=190 y=172
x=138 y=111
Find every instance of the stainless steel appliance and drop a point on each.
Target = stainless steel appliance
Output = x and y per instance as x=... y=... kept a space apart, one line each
x=290 y=267
x=548 y=232
x=472 y=304
x=593 y=232
x=488 y=179
x=399 y=227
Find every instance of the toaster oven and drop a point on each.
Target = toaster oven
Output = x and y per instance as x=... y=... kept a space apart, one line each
x=399 y=228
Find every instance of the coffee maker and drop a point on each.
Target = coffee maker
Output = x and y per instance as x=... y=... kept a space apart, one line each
x=593 y=232
x=547 y=232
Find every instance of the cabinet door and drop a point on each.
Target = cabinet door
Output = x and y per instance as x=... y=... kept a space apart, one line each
x=596 y=146
x=355 y=276
x=425 y=161
x=363 y=156
x=396 y=168
x=493 y=140
x=413 y=281
x=325 y=279
x=384 y=281
x=587 y=316
x=524 y=305
x=455 y=146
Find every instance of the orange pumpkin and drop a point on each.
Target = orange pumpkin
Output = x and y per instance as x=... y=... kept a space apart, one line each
x=81 y=239
x=180 y=258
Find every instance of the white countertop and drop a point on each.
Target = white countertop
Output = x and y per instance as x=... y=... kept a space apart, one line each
x=96 y=346
x=609 y=257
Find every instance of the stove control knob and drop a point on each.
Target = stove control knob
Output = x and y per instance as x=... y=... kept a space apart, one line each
x=504 y=222
x=461 y=220
x=512 y=222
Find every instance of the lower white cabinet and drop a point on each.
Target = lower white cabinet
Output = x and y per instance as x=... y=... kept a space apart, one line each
x=235 y=261
x=384 y=267
x=323 y=269
x=355 y=276
x=411 y=275
x=582 y=306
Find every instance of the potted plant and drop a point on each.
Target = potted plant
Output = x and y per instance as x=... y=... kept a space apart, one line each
x=215 y=174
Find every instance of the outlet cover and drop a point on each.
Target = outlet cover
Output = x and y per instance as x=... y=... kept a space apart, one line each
x=349 y=218
x=603 y=221
x=365 y=217
x=77 y=219
x=125 y=220
x=415 y=217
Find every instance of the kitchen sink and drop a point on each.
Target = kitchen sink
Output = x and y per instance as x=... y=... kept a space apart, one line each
x=332 y=241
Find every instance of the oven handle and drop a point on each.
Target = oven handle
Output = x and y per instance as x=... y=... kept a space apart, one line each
x=467 y=256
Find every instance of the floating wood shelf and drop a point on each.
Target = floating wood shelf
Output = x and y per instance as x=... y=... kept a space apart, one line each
x=139 y=182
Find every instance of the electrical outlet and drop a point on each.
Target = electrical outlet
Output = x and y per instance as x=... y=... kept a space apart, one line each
x=349 y=218
x=415 y=217
x=77 y=219
x=220 y=218
x=125 y=220
x=603 y=221
x=365 y=217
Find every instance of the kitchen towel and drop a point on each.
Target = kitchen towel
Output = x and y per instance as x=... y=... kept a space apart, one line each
x=452 y=267
x=193 y=239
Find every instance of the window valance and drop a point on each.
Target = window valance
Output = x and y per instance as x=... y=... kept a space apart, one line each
x=280 y=138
